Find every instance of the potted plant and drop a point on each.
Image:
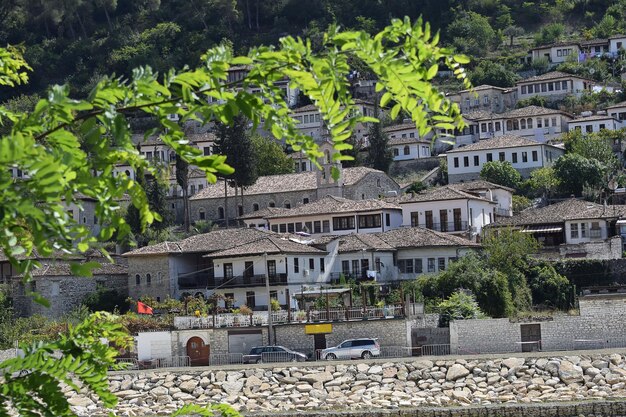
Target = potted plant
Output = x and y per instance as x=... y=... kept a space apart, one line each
x=301 y=316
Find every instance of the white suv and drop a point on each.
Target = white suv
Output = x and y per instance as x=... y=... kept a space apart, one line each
x=353 y=349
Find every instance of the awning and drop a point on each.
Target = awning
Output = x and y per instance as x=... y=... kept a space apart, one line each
x=542 y=229
x=623 y=221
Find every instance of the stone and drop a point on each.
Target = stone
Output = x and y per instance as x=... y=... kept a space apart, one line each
x=159 y=391
x=317 y=377
x=456 y=371
x=512 y=363
x=569 y=373
x=232 y=387
x=188 y=386
x=253 y=381
x=616 y=358
x=183 y=396
x=600 y=364
x=80 y=401
x=304 y=388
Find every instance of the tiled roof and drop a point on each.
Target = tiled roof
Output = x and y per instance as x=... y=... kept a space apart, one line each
x=446 y=192
x=410 y=237
x=207 y=242
x=571 y=209
x=550 y=76
x=592 y=118
x=331 y=204
x=620 y=104
x=551 y=45
x=406 y=141
x=529 y=111
x=260 y=214
x=356 y=242
x=597 y=41
x=275 y=184
x=308 y=107
x=506 y=141
x=477 y=185
x=480 y=115
x=64 y=269
x=484 y=87
x=402 y=126
x=271 y=244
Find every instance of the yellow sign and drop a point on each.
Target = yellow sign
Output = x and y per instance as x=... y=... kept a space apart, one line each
x=318 y=328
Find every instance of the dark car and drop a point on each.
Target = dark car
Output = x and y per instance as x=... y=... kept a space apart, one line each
x=261 y=354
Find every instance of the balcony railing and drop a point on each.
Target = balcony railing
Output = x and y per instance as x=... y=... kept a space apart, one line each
x=458 y=226
x=204 y=280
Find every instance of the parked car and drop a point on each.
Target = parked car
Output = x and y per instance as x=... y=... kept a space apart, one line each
x=260 y=354
x=364 y=348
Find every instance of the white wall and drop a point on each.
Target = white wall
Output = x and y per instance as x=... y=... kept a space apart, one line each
x=464 y=205
x=587 y=223
x=595 y=125
x=395 y=222
x=153 y=345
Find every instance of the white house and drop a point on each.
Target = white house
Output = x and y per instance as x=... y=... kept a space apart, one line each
x=556 y=53
x=447 y=209
x=526 y=155
x=405 y=142
x=617 y=43
x=617 y=111
x=553 y=85
x=594 y=123
x=501 y=195
x=335 y=215
x=485 y=98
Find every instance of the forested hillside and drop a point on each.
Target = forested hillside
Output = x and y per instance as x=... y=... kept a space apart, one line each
x=77 y=41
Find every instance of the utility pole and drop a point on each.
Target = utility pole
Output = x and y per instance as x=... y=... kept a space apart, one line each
x=269 y=303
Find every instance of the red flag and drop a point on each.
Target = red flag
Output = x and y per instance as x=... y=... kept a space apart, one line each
x=143 y=308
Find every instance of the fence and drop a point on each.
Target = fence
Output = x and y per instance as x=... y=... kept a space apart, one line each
x=435 y=350
x=225 y=359
x=260 y=318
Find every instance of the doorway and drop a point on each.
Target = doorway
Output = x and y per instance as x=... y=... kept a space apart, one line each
x=198 y=351
x=531 y=337
x=319 y=341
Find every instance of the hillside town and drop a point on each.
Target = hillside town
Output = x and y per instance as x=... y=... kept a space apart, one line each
x=384 y=250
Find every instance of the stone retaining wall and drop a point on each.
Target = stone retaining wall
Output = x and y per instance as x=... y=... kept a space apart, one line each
x=375 y=385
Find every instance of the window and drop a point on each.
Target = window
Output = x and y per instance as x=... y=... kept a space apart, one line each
x=456 y=162
x=509 y=125
x=201 y=214
x=431 y=264
x=220 y=212
x=550 y=86
x=544 y=87
x=539 y=123
x=514 y=157
x=489 y=157
x=282 y=227
x=240 y=210
x=296 y=265
x=365 y=265
x=476 y=160
x=228 y=270
x=387 y=219
x=466 y=161
x=574 y=231
x=308 y=227
x=291 y=227
x=274 y=295
x=559 y=52
x=529 y=123
x=248 y=269
x=602 y=126
x=271 y=204
x=417 y=266
x=405 y=266
x=274 y=228
x=441 y=264
x=355 y=266
x=589 y=128
x=148 y=280
x=414 y=218
x=428 y=214
x=523 y=89
x=498 y=127
x=229 y=297
x=255 y=207
x=523 y=123
x=369 y=221
x=583 y=230
x=207 y=150
x=345 y=268
x=271 y=268
x=325 y=226
x=535 y=156
x=311 y=264
x=287 y=204
x=305 y=200
x=456 y=216
x=317 y=226
x=554 y=122
x=322 y=266
x=137 y=279
x=483 y=127
x=396 y=152
x=524 y=156
x=344 y=223
x=501 y=156
x=250 y=299
x=407 y=150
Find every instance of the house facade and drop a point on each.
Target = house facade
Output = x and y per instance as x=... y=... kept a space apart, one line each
x=556 y=53
x=617 y=111
x=553 y=86
x=525 y=155
x=405 y=142
x=485 y=97
x=594 y=123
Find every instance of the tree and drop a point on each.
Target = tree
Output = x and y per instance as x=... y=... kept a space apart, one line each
x=182 y=179
x=550 y=33
x=549 y=288
x=574 y=171
x=543 y=182
x=502 y=173
x=270 y=157
x=593 y=146
x=459 y=306
x=65 y=142
x=472 y=33
x=379 y=154
x=513 y=31
x=492 y=73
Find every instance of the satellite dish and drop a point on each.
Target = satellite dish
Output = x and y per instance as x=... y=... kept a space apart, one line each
x=592 y=70
x=612 y=184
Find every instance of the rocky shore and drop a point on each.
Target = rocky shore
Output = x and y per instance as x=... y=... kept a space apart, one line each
x=369 y=386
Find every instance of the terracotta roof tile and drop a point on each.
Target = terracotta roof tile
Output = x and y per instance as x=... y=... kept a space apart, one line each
x=550 y=76
x=529 y=111
x=447 y=192
x=271 y=244
x=331 y=204
x=411 y=237
x=477 y=185
x=571 y=209
x=498 y=142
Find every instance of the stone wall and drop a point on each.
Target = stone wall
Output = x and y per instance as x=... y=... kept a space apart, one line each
x=602 y=322
x=399 y=168
x=374 y=385
x=158 y=266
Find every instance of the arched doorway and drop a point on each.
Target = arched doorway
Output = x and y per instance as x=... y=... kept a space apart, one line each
x=198 y=351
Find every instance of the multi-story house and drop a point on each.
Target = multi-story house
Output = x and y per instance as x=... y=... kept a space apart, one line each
x=617 y=111
x=333 y=215
x=553 y=86
x=556 y=53
x=501 y=195
x=405 y=142
x=595 y=123
x=447 y=209
x=572 y=229
x=526 y=155
x=288 y=191
x=485 y=97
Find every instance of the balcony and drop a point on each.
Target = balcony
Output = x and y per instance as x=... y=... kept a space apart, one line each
x=204 y=280
x=449 y=227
